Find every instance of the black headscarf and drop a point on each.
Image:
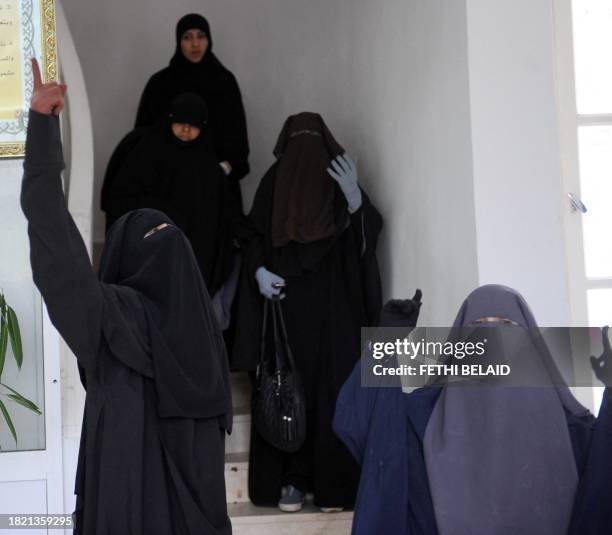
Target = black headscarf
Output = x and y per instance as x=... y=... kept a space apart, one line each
x=209 y=63
x=193 y=21
x=189 y=108
x=183 y=180
x=184 y=340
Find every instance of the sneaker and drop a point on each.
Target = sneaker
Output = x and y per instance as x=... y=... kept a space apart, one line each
x=292 y=501
x=332 y=509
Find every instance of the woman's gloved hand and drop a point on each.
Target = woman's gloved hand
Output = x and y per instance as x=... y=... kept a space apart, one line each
x=602 y=365
x=267 y=283
x=344 y=171
x=227 y=167
x=401 y=312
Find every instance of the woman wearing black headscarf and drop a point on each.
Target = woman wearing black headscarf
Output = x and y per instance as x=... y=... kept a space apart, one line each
x=150 y=353
x=318 y=235
x=195 y=68
x=171 y=167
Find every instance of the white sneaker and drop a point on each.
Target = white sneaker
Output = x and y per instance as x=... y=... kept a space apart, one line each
x=292 y=501
x=332 y=509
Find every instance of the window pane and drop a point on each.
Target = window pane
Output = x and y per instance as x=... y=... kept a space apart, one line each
x=600 y=307
x=592 y=21
x=595 y=151
x=16 y=282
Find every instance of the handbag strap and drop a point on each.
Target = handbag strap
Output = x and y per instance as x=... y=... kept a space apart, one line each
x=277 y=338
x=276 y=304
x=264 y=328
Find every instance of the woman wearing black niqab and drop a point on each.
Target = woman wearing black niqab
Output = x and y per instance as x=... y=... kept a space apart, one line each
x=321 y=240
x=150 y=353
x=181 y=178
x=206 y=76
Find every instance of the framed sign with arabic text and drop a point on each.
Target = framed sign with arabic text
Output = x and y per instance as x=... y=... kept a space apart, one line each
x=27 y=29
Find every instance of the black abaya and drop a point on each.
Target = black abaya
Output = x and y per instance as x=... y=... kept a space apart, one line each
x=184 y=181
x=218 y=87
x=121 y=153
x=333 y=288
x=151 y=460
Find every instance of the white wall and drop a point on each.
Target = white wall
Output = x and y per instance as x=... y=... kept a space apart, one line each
x=410 y=91
x=516 y=154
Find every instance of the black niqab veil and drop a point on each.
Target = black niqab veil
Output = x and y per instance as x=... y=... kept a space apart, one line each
x=189 y=361
x=304 y=192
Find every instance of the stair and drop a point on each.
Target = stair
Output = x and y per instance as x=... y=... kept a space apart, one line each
x=248 y=519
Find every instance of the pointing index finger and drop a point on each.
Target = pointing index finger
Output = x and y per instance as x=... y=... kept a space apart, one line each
x=605 y=339
x=36 y=74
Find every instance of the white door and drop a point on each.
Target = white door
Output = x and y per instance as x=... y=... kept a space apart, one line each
x=30 y=467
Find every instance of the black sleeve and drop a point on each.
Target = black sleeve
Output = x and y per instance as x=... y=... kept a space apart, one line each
x=137 y=181
x=366 y=225
x=592 y=511
x=145 y=116
x=117 y=159
x=60 y=264
x=234 y=141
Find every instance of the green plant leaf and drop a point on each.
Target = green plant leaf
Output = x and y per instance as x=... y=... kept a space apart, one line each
x=3 y=343
x=15 y=336
x=3 y=333
x=25 y=403
x=18 y=398
x=9 y=422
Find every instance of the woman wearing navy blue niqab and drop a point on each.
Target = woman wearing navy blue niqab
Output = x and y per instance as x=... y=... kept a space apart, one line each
x=485 y=460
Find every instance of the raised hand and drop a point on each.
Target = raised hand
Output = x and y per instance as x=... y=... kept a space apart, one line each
x=344 y=171
x=46 y=98
x=602 y=365
x=401 y=312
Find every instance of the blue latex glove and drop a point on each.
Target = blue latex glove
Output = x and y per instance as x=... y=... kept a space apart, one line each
x=266 y=280
x=344 y=171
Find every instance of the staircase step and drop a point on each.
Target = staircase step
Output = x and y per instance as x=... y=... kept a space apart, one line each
x=241 y=389
x=238 y=441
x=250 y=520
x=237 y=477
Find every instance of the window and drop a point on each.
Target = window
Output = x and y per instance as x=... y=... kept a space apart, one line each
x=584 y=73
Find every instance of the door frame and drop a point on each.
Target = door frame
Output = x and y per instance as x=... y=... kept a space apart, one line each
x=568 y=123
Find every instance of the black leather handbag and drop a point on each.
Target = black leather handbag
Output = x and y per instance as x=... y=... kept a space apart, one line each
x=278 y=407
